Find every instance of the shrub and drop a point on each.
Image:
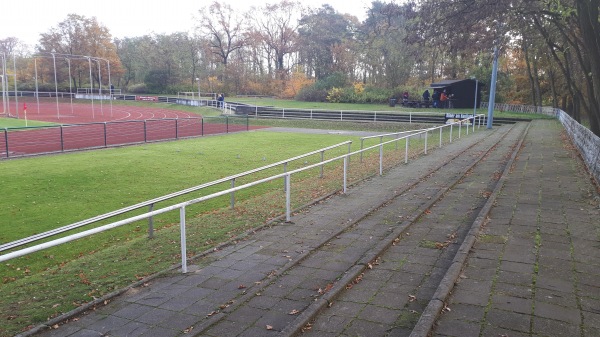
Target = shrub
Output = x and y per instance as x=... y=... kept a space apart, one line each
x=139 y=88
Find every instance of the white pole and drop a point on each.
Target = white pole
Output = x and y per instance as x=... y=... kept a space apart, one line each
x=100 y=87
x=70 y=85
x=91 y=85
x=3 y=76
x=4 y=71
x=198 y=82
x=183 y=240
x=111 y=88
x=56 y=86
x=15 y=81
x=37 y=91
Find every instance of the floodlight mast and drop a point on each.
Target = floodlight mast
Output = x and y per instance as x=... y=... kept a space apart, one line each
x=492 y=102
x=198 y=81
x=56 y=86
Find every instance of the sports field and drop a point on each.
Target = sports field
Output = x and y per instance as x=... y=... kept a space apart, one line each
x=85 y=125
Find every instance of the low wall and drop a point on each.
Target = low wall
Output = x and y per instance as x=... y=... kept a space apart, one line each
x=587 y=143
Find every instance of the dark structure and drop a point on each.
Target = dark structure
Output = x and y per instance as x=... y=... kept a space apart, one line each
x=461 y=92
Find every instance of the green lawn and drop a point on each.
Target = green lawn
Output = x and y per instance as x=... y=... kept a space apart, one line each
x=17 y=123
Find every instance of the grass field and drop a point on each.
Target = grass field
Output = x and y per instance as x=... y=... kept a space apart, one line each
x=41 y=193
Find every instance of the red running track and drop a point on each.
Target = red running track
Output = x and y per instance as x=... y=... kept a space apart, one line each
x=124 y=125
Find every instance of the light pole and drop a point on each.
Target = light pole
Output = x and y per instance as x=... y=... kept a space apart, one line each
x=198 y=81
x=3 y=103
x=492 y=102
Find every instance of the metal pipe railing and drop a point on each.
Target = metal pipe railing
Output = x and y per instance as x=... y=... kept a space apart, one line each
x=182 y=205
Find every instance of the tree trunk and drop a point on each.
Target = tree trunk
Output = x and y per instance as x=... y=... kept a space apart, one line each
x=529 y=74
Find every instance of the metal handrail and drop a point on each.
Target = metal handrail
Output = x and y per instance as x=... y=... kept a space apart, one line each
x=20 y=242
x=182 y=205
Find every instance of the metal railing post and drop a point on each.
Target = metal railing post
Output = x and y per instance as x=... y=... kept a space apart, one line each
x=322 y=159
x=62 y=141
x=451 y=125
x=232 y=198
x=361 y=151
x=284 y=171
x=145 y=132
x=459 y=129
x=226 y=124
x=381 y=159
x=202 y=130
x=105 y=142
x=183 y=242
x=6 y=141
x=426 y=136
x=441 y=137
x=177 y=128
x=288 y=197
x=150 y=222
x=349 y=150
x=406 y=150
x=345 y=172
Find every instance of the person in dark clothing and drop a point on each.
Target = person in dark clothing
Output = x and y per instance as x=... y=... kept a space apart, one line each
x=221 y=100
x=436 y=99
x=426 y=95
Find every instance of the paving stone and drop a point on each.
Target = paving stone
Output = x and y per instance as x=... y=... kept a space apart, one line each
x=464 y=312
x=525 y=279
x=509 y=320
x=551 y=327
x=155 y=316
x=497 y=331
x=458 y=328
x=466 y=296
x=360 y=328
x=556 y=297
x=347 y=309
x=180 y=321
x=570 y=315
x=513 y=290
x=331 y=323
x=511 y=303
x=227 y=328
x=109 y=323
x=131 y=329
x=516 y=267
x=378 y=314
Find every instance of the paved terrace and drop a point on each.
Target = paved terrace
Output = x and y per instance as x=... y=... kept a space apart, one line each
x=497 y=234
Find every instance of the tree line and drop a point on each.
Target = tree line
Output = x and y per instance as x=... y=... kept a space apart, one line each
x=549 y=52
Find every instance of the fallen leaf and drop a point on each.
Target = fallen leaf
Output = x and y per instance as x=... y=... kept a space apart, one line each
x=188 y=329
x=269 y=327
x=294 y=312
x=412 y=298
x=241 y=286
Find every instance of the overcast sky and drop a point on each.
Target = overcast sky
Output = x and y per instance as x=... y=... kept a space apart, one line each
x=26 y=20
